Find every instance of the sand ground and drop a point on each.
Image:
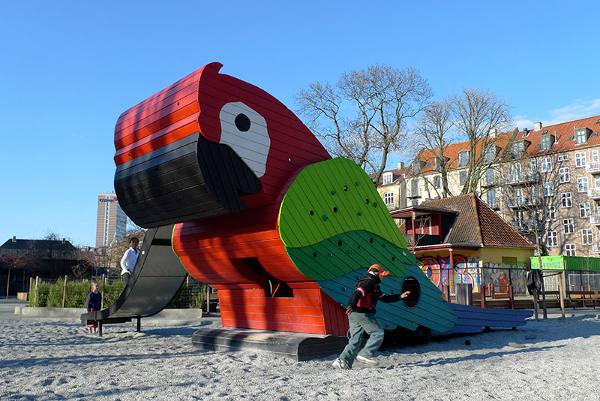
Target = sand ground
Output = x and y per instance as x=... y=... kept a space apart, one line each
x=52 y=359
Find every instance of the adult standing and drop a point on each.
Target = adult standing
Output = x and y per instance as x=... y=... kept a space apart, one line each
x=129 y=258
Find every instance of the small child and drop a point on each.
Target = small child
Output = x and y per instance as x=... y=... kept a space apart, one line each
x=92 y=304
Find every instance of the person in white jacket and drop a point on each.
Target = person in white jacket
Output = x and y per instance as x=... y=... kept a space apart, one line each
x=129 y=258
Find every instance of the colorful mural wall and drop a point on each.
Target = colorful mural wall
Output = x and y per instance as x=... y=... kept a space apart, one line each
x=466 y=269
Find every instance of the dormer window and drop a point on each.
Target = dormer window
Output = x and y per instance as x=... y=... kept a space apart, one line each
x=490 y=153
x=388 y=177
x=463 y=158
x=547 y=141
x=517 y=150
x=581 y=135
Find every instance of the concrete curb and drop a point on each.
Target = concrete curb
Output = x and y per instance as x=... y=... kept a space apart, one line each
x=167 y=316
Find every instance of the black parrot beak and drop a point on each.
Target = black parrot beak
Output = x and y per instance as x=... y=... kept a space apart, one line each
x=225 y=174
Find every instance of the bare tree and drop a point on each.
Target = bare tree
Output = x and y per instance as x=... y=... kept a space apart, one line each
x=365 y=115
x=434 y=133
x=530 y=192
x=479 y=115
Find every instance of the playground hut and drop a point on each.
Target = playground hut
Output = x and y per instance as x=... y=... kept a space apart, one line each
x=467 y=249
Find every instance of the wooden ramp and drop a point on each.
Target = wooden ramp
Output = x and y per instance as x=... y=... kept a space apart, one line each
x=475 y=320
x=298 y=346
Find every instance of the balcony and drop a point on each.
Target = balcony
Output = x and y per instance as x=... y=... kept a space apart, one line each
x=523 y=203
x=522 y=226
x=523 y=179
x=593 y=167
x=488 y=183
x=594 y=193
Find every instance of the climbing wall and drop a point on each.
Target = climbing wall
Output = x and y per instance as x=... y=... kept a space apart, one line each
x=334 y=224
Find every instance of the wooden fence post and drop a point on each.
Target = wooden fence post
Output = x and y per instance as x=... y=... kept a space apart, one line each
x=64 y=291
x=102 y=292
x=30 y=289
x=8 y=282
x=561 y=293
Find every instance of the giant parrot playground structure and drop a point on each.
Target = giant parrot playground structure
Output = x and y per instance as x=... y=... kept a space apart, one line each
x=238 y=193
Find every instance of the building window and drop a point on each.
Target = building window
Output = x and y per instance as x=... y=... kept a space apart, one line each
x=582 y=184
x=546 y=164
x=438 y=163
x=489 y=176
x=388 y=198
x=595 y=156
x=546 y=142
x=490 y=153
x=463 y=158
x=551 y=213
x=581 y=136
x=580 y=159
x=585 y=210
x=388 y=177
x=563 y=157
x=414 y=188
x=570 y=249
x=586 y=236
x=462 y=177
x=517 y=150
x=563 y=174
x=437 y=182
x=552 y=239
x=565 y=199
x=515 y=172
x=568 y=226
x=519 y=196
x=533 y=165
x=597 y=181
x=491 y=198
x=548 y=189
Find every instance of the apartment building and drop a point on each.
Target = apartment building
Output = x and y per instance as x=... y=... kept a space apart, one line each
x=552 y=171
x=392 y=187
x=111 y=221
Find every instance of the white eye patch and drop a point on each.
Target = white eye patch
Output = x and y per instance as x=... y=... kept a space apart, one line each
x=245 y=131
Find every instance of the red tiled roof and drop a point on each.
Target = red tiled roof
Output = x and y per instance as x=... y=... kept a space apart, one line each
x=476 y=223
x=563 y=132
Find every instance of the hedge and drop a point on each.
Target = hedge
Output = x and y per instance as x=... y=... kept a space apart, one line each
x=51 y=294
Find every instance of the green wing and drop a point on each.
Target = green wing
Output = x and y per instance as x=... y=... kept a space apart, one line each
x=334 y=224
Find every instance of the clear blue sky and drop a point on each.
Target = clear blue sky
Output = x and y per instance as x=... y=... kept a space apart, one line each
x=67 y=70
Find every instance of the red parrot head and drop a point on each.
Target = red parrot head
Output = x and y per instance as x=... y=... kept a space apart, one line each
x=208 y=145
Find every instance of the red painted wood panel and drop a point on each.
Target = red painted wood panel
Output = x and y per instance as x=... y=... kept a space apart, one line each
x=214 y=250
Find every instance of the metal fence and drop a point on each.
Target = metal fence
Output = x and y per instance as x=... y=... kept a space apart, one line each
x=509 y=282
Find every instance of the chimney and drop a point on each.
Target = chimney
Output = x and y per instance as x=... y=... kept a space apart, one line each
x=537 y=126
x=14 y=239
x=400 y=165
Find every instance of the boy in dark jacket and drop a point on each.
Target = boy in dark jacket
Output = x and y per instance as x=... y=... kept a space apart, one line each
x=361 y=316
x=92 y=304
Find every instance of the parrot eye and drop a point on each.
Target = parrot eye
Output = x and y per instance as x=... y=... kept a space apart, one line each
x=242 y=122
